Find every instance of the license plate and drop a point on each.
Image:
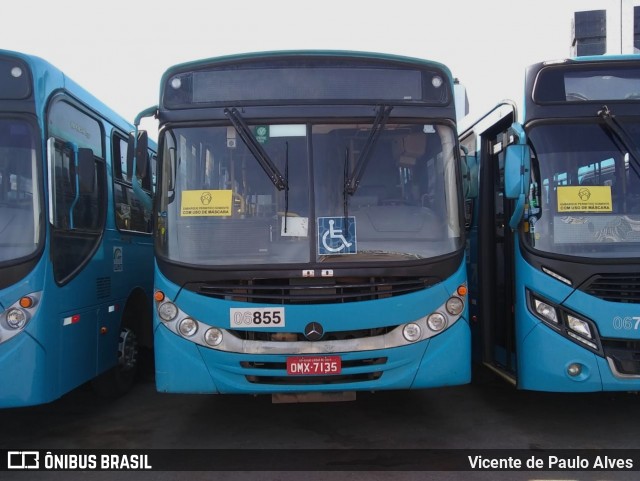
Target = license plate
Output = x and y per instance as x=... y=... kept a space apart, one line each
x=309 y=366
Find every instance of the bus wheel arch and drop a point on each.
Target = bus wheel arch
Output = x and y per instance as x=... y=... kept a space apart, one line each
x=134 y=350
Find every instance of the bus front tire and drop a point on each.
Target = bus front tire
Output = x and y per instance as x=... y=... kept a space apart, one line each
x=119 y=379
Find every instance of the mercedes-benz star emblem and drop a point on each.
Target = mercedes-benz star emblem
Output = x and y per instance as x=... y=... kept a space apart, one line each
x=313 y=331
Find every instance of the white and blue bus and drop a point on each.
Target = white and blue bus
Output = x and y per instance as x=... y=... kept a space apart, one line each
x=309 y=234
x=554 y=274
x=76 y=254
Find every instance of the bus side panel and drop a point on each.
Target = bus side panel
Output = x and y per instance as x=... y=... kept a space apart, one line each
x=131 y=271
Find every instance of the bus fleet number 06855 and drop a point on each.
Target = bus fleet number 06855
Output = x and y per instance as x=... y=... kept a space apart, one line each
x=256 y=317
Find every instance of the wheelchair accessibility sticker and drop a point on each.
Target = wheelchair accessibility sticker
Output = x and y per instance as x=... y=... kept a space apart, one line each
x=336 y=236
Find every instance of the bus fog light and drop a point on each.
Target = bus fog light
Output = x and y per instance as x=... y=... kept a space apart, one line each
x=579 y=326
x=546 y=311
x=16 y=318
x=412 y=332
x=436 y=322
x=188 y=327
x=454 y=306
x=167 y=311
x=574 y=370
x=213 y=336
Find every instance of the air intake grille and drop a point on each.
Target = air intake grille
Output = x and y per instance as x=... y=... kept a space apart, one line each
x=103 y=287
x=625 y=355
x=313 y=290
x=615 y=287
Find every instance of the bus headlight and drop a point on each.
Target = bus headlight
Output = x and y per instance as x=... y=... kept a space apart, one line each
x=570 y=325
x=167 y=311
x=16 y=318
x=454 y=306
x=412 y=332
x=546 y=311
x=213 y=336
x=436 y=322
x=188 y=327
x=579 y=326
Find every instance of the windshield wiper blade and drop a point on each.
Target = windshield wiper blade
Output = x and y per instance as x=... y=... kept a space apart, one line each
x=623 y=137
x=363 y=159
x=256 y=149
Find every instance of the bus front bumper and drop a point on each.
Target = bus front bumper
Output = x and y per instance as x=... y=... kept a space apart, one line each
x=185 y=367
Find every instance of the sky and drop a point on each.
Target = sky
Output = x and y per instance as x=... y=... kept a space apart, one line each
x=118 y=50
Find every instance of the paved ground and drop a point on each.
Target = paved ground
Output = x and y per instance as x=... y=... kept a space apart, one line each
x=487 y=414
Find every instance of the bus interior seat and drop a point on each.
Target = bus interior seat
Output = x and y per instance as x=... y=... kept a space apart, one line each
x=408 y=149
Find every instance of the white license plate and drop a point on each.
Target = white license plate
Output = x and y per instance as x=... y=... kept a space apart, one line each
x=256 y=317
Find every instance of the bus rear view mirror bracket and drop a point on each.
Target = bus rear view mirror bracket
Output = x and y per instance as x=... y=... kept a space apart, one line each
x=517 y=171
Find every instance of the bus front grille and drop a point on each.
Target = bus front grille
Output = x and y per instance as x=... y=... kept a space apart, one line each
x=372 y=374
x=614 y=287
x=313 y=290
x=257 y=335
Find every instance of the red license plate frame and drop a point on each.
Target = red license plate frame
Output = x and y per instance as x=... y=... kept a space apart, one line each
x=314 y=365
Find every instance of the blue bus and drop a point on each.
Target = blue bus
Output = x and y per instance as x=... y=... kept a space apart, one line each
x=554 y=277
x=76 y=250
x=309 y=235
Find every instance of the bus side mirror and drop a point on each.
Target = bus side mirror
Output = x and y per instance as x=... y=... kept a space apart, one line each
x=137 y=163
x=469 y=175
x=86 y=171
x=461 y=100
x=139 y=146
x=517 y=175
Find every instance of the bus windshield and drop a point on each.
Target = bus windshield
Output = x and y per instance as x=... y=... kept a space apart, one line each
x=584 y=198
x=218 y=206
x=19 y=192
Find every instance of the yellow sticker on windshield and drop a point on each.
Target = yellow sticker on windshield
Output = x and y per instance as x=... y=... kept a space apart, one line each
x=211 y=203
x=585 y=199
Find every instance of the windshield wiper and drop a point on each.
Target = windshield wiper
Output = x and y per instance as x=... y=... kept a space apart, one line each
x=363 y=159
x=623 y=137
x=256 y=149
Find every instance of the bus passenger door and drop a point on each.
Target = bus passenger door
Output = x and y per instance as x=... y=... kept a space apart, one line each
x=77 y=181
x=495 y=256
